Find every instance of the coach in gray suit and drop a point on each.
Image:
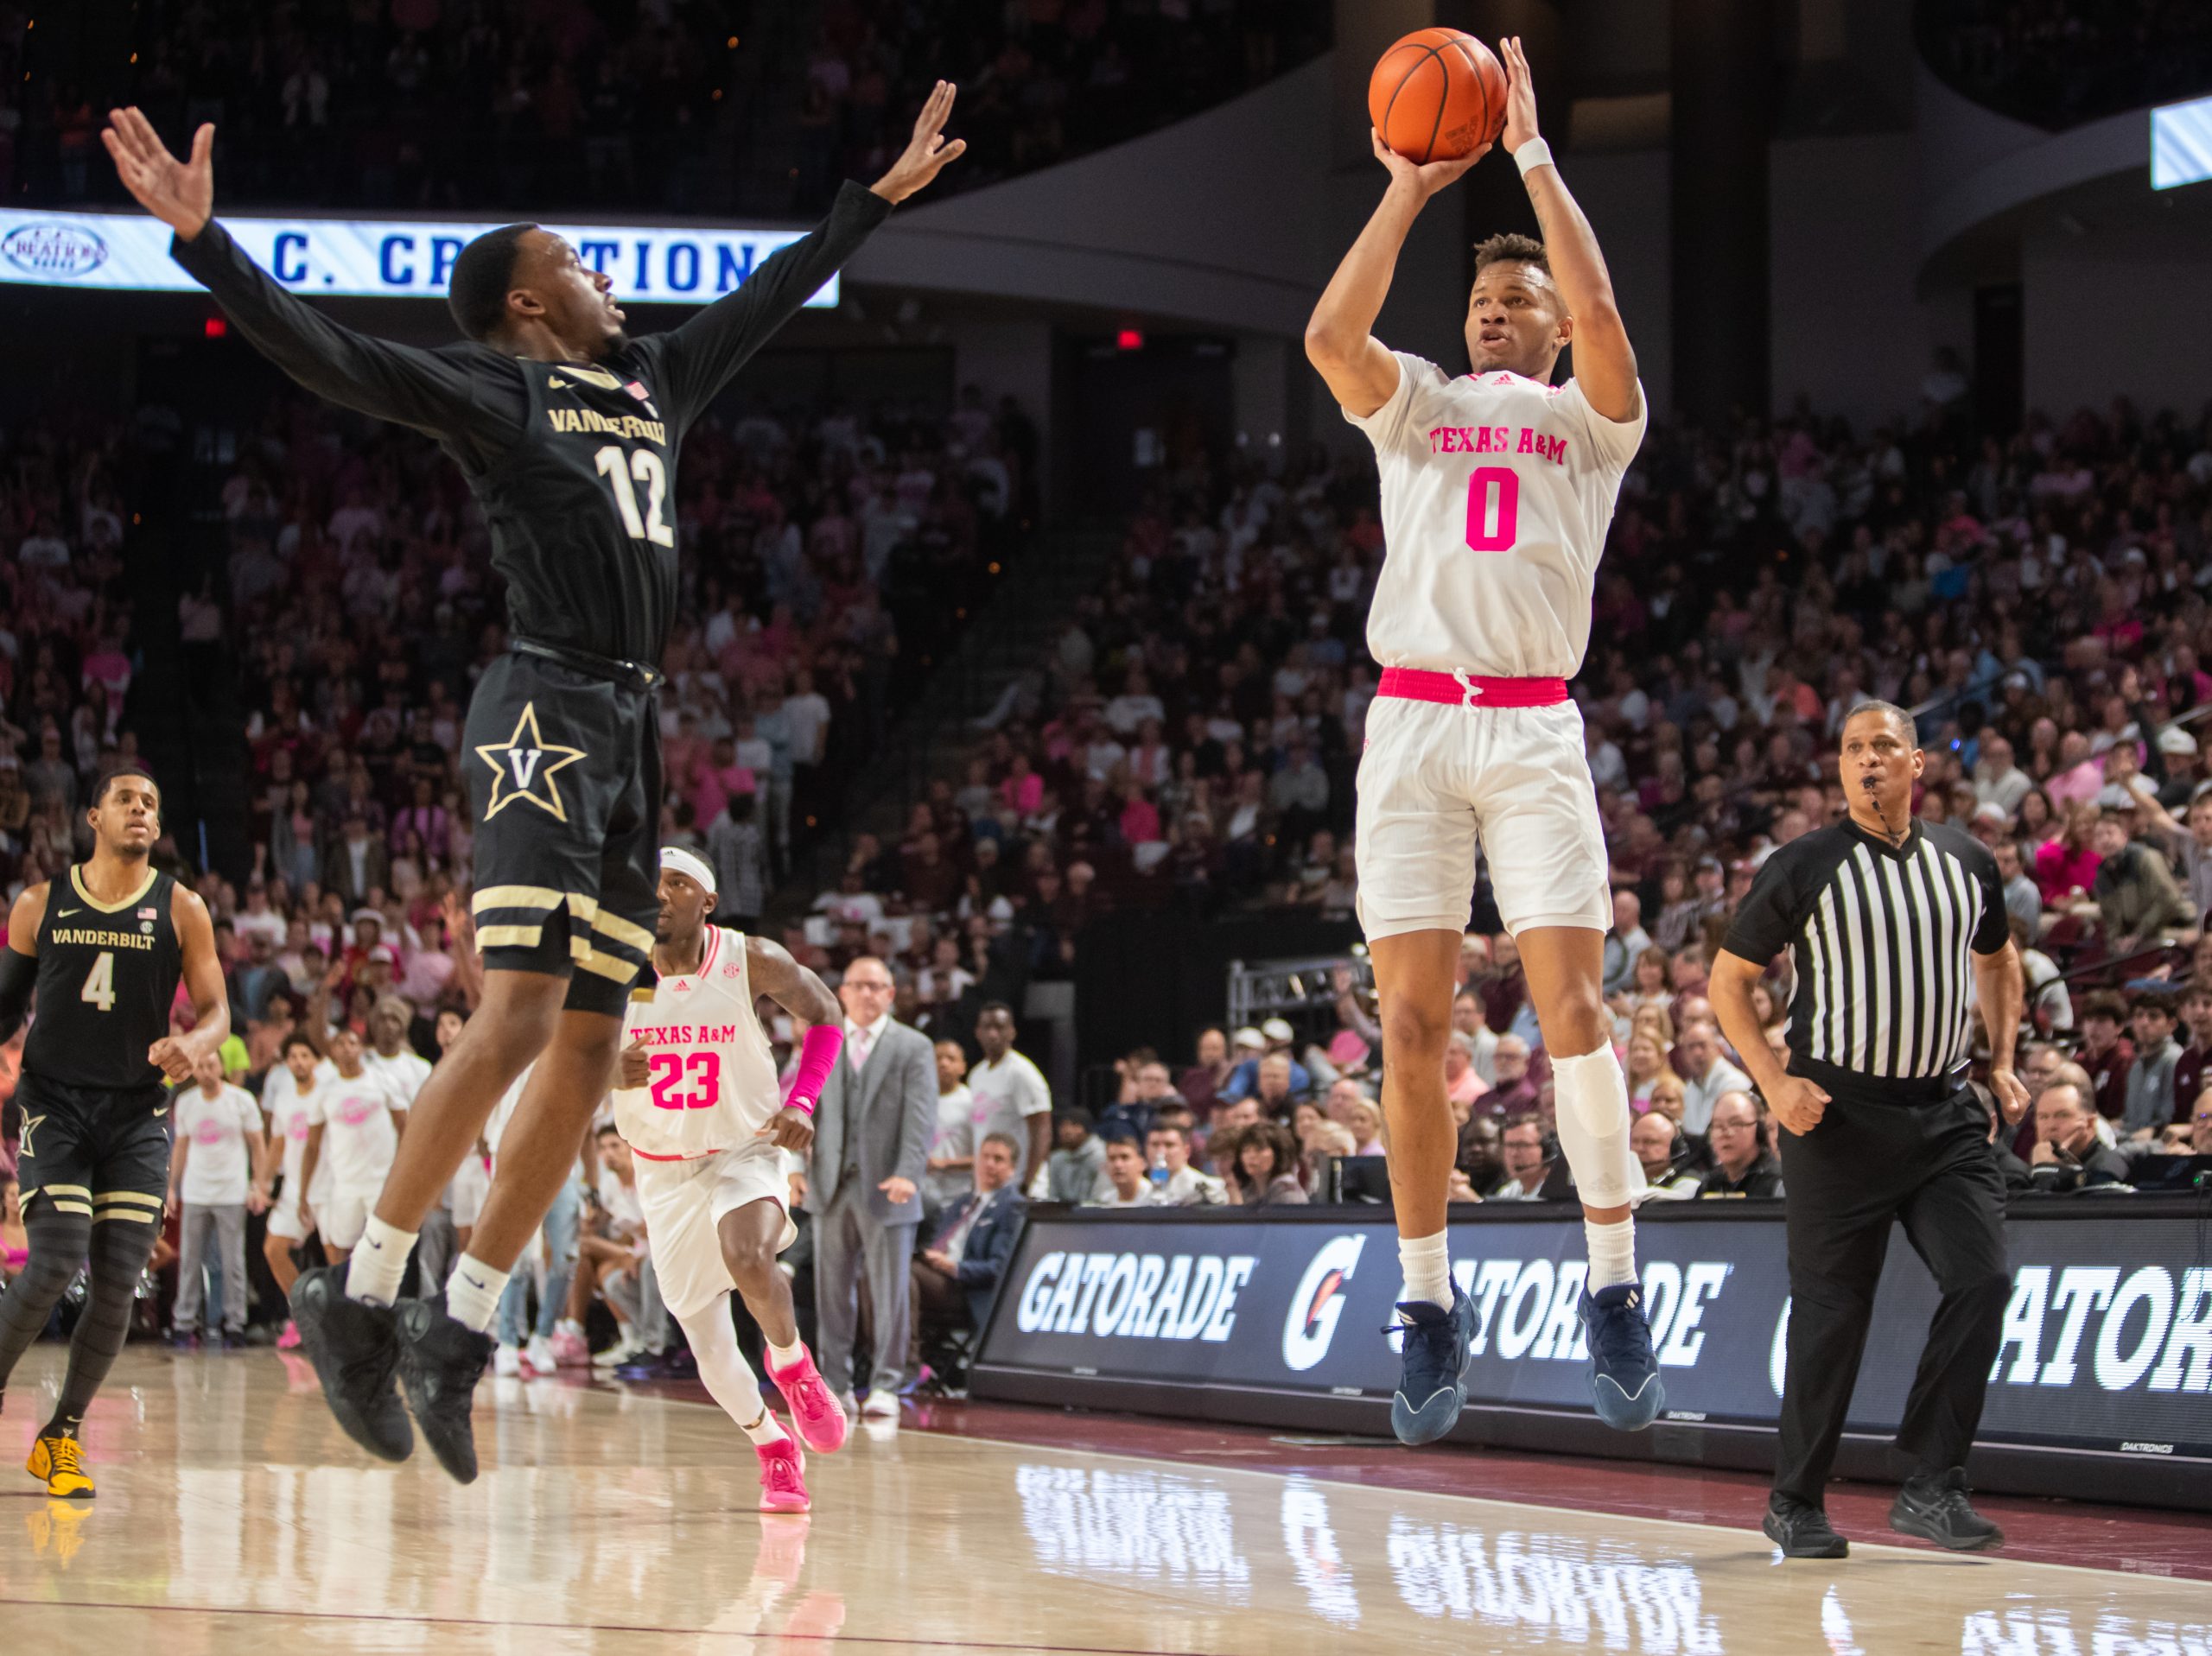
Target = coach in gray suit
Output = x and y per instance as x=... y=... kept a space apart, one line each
x=872 y=1134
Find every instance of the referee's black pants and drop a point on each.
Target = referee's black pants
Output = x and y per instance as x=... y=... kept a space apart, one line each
x=1929 y=1165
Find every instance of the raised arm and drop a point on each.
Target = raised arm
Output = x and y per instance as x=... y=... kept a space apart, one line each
x=430 y=390
x=1605 y=364
x=697 y=359
x=1340 y=341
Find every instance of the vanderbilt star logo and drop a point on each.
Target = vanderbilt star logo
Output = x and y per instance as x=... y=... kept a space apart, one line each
x=525 y=763
x=31 y=1124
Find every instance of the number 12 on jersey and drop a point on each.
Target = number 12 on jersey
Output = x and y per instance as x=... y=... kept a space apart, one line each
x=1493 y=509
x=619 y=467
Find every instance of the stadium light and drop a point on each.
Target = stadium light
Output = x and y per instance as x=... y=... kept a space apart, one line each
x=2181 y=144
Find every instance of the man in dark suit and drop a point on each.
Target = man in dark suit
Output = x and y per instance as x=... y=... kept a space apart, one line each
x=872 y=1133
x=958 y=1277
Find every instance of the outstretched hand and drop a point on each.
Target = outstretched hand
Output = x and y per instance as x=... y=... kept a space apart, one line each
x=1424 y=180
x=1520 y=94
x=929 y=152
x=181 y=194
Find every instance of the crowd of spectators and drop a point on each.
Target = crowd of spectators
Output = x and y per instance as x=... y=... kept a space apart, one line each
x=713 y=106
x=2058 y=64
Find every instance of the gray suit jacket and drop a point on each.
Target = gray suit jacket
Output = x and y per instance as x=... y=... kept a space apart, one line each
x=888 y=1112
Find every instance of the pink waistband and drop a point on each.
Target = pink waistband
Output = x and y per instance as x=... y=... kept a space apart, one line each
x=1470 y=689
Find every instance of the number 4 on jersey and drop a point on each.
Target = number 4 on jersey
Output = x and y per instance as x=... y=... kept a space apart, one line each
x=99 y=982
x=646 y=466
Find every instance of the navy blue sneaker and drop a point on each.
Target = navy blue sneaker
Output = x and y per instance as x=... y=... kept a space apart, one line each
x=1438 y=1346
x=1623 y=1372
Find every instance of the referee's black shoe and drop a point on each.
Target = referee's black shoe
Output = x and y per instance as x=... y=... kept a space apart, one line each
x=441 y=1360
x=1934 y=1506
x=1801 y=1529
x=355 y=1350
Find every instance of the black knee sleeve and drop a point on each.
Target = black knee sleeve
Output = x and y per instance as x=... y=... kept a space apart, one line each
x=119 y=1249
x=57 y=1246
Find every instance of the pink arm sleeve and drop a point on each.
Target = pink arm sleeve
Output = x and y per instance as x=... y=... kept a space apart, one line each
x=817 y=1056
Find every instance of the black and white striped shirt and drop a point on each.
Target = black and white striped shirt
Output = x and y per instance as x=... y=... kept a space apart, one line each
x=1882 y=938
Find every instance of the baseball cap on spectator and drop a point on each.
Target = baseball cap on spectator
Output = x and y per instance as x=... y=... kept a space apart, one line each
x=1990 y=811
x=2115 y=797
x=386 y=953
x=365 y=913
x=1709 y=865
x=2174 y=739
x=1248 y=1037
x=1277 y=1029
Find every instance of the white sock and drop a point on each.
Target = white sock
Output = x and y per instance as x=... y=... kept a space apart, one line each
x=472 y=1294
x=1612 y=1252
x=380 y=1261
x=784 y=1356
x=729 y=1379
x=1426 y=1262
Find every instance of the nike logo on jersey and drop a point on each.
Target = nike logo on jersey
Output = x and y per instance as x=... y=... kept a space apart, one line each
x=63 y=914
x=598 y=378
x=523 y=766
x=162 y=1111
x=555 y=382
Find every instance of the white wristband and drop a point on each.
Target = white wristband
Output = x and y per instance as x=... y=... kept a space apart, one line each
x=1532 y=154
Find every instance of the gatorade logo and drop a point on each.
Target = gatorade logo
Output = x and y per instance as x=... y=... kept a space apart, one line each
x=1319 y=1303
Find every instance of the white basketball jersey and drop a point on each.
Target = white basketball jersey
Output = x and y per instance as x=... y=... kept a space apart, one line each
x=1497 y=493
x=712 y=1081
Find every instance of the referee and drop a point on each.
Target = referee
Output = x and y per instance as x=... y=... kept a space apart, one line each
x=1881 y=914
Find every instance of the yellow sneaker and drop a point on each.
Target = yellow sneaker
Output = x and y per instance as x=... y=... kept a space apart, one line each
x=60 y=1460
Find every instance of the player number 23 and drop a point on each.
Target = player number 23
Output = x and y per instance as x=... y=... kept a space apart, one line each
x=643 y=464
x=669 y=1071
x=1493 y=508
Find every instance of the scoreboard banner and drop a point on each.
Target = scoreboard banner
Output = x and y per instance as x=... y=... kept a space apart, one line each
x=2107 y=1340
x=380 y=258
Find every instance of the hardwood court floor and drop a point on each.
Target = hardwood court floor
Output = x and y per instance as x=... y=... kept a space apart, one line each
x=232 y=1516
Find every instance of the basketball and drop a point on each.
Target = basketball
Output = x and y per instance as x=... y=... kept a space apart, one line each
x=1436 y=95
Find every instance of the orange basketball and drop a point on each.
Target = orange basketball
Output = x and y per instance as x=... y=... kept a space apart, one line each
x=1437 y=95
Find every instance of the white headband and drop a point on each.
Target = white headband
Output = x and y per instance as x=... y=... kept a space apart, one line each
x=676 y=859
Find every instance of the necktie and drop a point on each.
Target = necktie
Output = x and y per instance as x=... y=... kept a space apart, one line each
x=863 y=1043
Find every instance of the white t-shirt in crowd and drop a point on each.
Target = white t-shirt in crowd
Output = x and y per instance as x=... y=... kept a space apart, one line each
x=956 y=1136
x=1007 y=1094
x=218 y=1167
x=1496 y=492
x=286 y=1106
x=404 y=1072
x=359 y=1136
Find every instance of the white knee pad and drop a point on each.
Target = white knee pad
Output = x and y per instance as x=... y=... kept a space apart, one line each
x=1593 y=1119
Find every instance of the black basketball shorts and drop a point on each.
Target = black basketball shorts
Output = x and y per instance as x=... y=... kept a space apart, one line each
x=564 y=781
x=97 y=1152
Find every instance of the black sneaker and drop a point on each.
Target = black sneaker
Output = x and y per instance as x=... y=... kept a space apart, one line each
x=1437 y=1344
x=1801 y=1529
x=440 y=1361
x=1934 y=1506
x=355 y=1351
x=233 y=1340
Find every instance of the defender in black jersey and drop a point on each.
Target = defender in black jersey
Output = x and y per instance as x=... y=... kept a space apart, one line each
x=567 y=431
x=104 y=948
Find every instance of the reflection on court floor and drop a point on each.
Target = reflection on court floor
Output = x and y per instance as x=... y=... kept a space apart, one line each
x=230 y=1511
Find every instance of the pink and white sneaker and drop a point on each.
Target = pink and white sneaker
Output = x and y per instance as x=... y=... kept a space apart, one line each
x=783 y=1476
x=290 y=1340
x=569 y=1350
x=816 y=1414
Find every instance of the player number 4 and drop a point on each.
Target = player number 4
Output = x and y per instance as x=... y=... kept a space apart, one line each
x=99 y=982
x=1493 y=508
x=669 y=1070
x=643 y=464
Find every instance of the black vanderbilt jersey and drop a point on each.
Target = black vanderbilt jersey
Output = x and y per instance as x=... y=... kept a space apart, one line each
x=107 y=975
x=574 y=464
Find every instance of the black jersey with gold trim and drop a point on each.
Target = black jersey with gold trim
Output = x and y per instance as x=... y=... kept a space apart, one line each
x=107 y=975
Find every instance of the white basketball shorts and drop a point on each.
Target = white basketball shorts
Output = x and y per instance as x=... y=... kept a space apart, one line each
x=684 y=1204
x=344 y=1217
x=1438 y=778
